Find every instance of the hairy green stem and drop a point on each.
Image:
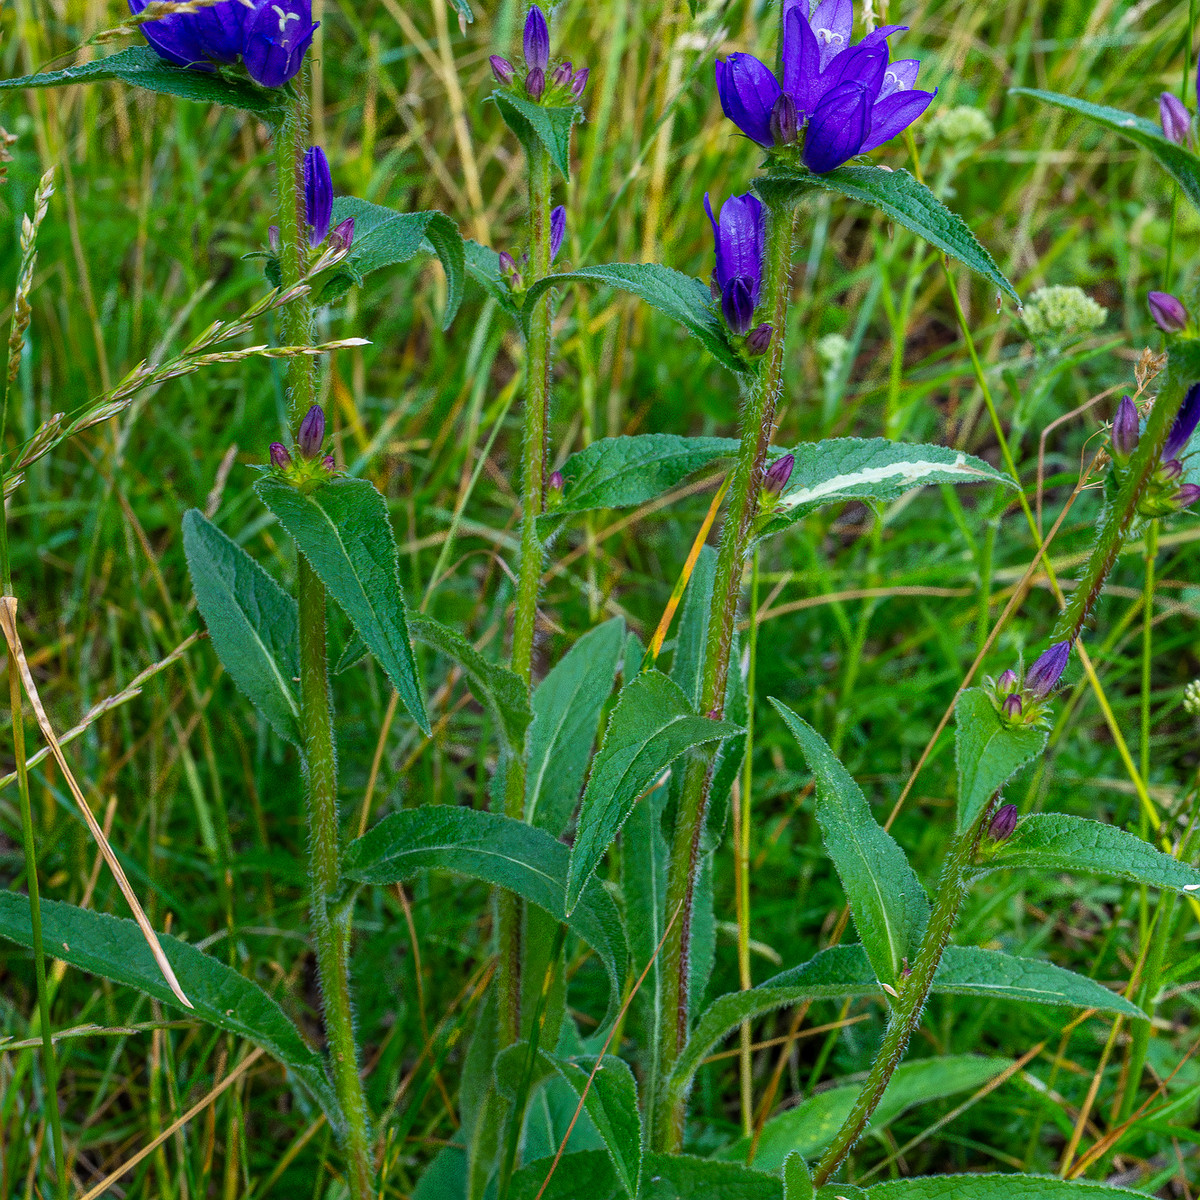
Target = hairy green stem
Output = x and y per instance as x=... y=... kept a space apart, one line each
x=330 y=928
x=758 y=418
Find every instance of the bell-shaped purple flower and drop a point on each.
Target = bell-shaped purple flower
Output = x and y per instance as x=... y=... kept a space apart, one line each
x=311 y=437
x=502 y=69
x=1168 y=313
x=211 y=35
x=1184 y=425
x=1003 y=823
x=555 y=482
x=748 y=91
x=1125 y=430
x=778 y=474
x=1176 y=120
x=277 y=37
x=558 y=230
x=318 y=194
x=838 y=128
x=537 y=40
x=1047 y=671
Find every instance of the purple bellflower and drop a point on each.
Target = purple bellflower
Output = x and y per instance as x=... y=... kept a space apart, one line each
x=537 y=40
x=1184 y=426
x=1175 y=118
x=848 y=99
x=740 y=237
x=277 y=37
x=311 y=437
x=558 y=230
x=1168 y=313
x=318 y=194
x=1042 y=677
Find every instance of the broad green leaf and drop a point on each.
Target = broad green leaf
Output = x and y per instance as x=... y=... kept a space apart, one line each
x=343 y=530
x=995 y=1187
x=989 y=752
x=1056 y=842
x=384 y=237
x=483 y=265
x=445 y=1178
x=809 y=1127
x=142 y=67
x=540 y=126
x=869 y=469
x=650 y=727
x=499 y=851
x=902 y=199
x=682 y=1177
x=797 y=1179
x=251 y=621
x=887 y=901
x=681 y=297
x=587 y=1174
x=114 y=948
x=1180 y=163
x=566 y=717
x=620 y=472
x=496 y=686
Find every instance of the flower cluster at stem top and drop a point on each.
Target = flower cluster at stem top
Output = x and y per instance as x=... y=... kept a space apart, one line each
x=309 y=467
x=1024 y=701
x=543 y=84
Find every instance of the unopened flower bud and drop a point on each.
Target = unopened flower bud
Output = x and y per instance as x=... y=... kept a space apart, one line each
x=342 y=237
x=714 y=288
x=273 y=238
x=1187 y=495
x=1176 y=120
x=329 y=463
x=737 y=305
x=502 y=69
x=1047 y=671
x=1008 y=681
x=311 y=437
x=555 y=482
x=579 y=82
x=537 y=40
x=561 y=75
x=1171 y=469
x=1125 y=430
x=535 y=83
x=280 y=458
x=1184 y=424
x=558 y=230
x=758 y=340
x=1012 y=706
x=778 y=474
x=1168 y=313
x=785 y=123
x=1003 y=823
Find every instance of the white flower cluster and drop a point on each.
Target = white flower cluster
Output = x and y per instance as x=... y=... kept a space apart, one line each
x=960 y=127
x=1191 y=698
x=1053 y=311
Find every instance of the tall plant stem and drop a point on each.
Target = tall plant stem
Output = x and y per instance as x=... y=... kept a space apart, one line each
x=529 y=575
x=758 y=418
x=331 y=922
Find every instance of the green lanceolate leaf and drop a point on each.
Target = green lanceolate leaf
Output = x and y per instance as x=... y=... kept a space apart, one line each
x=114 y=948
x=539 y=126
x=682 y=1177
x=483 y=265
x=902 y=199
x=888 y=903
x=797 y=1179
x=869 y=469
x=496 y=686
x=586 y=1173
x=1056 y=842
x=989 y=752
x=678 y=296
x=343 y=530
x=566 y=717
x=995 y=1187
x=651 y=726
x=499 y=851
x=141 y=67
x=384 y=237
x=620 y=472
x=251 y=620
x=1180 y=163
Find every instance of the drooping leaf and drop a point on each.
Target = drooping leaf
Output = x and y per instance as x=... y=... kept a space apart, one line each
x=384 y=237
x=343 y=530
x=887 y=901
x=809 y=1127
x=483 y=265
x=650 y=727
x=989 y=752
x=540 y=126
x=492 y=684
x=870 y=469
x=141 y=67
x=499 y=851
x=114 y=948
x=678 y=296
x=566 y=717
x=902 y=199
x=996 y=1187
x=620 y=472
x=251 y=621
x=1180 y=163
x=1056 y=842
x=797 y=1178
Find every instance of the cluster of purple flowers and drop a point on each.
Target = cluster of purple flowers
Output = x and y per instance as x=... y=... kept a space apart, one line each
x=269 y=36
x=1022 y=701
x=1165 y=494
x=318 y=205
x=558 y=85
x=510 y=267
x=310 y=439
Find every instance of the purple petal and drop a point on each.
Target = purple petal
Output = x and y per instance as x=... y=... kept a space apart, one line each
x=837 y=129
x=894 y=114
x=173 y=38
x=1175 y=118
x=899 y=77
x=832 y=23
x=222 y=29
x=1185 y=423
x=276 y=40
x=801 y=60
x=748 y=91
x=558 y=230
x=737 y=305
x=740 y=237
x=866 y=64
x=537 y=40
x=318 y=195
x=882 y=34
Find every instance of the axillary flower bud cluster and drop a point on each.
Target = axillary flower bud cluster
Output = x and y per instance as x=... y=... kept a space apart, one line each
x=1167 y=492
x=318 y=214
x=739 y=236
x=512 y=270
x=309 y=467
x=542 y=83
x=1024 y=701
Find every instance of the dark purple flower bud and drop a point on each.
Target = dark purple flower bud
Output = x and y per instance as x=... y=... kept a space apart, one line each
x=748 y=91
x=277 y=36
x=561 y=75
x=329 y=463
x=1047 y=671
x=537 y=40
x=502 y=69
x=343 y=234
x=579 y=82
x=508 y=267
x=1125 y=430
x=318 y=194
x=535 y=83
x=1003 y=823
x=280 y=458
x=758 y=340
x=838 y=128
x=714 y=288
x=1169 y=315
x=555 y=482
x=1171 y=469
x=1176 y=120
x=273 y=238
x=311 y=437
x=1187 y=495
x=740 y=239
x=1008 y=681
x=1012 y=706
x=778 y=474
x=737 y=305
x=1185 y=424
x=558 y=230
x=784 y=121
